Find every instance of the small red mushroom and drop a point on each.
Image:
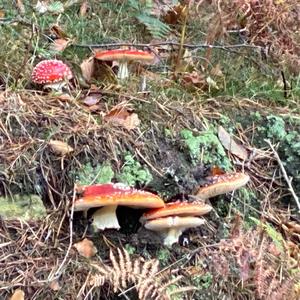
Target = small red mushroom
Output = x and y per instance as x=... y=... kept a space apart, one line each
x=52 y=74
x=123 y=56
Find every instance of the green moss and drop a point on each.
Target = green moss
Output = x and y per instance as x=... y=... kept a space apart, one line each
x=24 y=207
x=133 y=172
x=207 y=147
x=163 y=255
x=130 y=249
x=203 y=281
x=99 y=174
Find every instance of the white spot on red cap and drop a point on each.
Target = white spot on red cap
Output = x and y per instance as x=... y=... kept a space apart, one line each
x=51 y=71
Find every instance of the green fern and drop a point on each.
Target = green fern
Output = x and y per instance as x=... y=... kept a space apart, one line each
x=157 y=28
x=142 y=11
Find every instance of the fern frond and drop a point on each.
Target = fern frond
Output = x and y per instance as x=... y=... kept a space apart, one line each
x=157 y=28
x=123 y=272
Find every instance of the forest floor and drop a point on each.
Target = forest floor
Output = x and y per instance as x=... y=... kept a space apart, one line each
x=163 y=130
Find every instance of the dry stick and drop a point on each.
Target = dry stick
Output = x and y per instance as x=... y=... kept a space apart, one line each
x=286 y=177
x=58 y=271
x=190 y=46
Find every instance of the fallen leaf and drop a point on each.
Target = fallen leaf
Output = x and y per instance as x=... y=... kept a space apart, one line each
x=232 y=146
x=83 y=8
x=123 y=117
x=58 y=32
x=86 y=248
x=65 y=97
x=194 y=79
x=60 y=44
x=92 y=99
x=87 y=68
x=54 y=285
x=60 y=147
x=18 y=295
x=216 y=71
x=176 y=14
x=20 y=6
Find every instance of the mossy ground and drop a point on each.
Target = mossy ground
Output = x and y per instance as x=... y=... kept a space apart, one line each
x=172 y=150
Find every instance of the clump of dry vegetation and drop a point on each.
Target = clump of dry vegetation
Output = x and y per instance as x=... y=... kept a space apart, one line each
x=144 y=276
x=272 y=25
x=256 y=261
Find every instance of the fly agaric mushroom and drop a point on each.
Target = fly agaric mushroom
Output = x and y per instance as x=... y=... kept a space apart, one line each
x=170 y=221
x=52 y=74
x=222 y=184
x=171 y=228
x=123 y=56
x=110 y=196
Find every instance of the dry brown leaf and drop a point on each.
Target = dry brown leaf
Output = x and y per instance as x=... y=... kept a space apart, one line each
x=54 y=285
x=229 y=143
x=92 y=99
x=86 y=248
x=123 y=117
x=216 y=71
x=176 y=14
x=20 y=6
x=59 y=147
x=59 y=32
x=87 y=68
x=83 y=8
x=60 y=44
x=65 y=97
x=194 y=79
x=2 y=13
x=18 y=295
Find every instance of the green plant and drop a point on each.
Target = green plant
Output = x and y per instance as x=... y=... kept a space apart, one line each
x=143 y=12
x=133 y=172
x=98 y=174
x=203 y=281
x=206 y=147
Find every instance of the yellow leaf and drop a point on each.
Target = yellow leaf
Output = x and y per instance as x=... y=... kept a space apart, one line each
x=18 y=295
x=87 y=68
x=60 y=147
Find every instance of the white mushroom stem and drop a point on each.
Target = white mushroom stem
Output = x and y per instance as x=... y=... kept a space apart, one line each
x=57 y=86
x=171 y=236
x=105 y=217
x=123 y=70
x=170 y=228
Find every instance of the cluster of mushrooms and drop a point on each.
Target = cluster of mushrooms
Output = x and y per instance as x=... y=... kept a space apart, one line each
x=169 y=220
x=55 y=74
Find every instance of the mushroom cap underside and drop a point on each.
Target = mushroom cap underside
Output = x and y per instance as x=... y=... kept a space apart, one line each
x=161 y=224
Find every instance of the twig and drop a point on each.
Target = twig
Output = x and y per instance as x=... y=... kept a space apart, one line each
x=58 y=271
x=190 y=46
x=287 y=179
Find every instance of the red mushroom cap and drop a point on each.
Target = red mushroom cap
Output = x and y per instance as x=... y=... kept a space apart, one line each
x=116 y=194
x=51 y=71
x=124 y=54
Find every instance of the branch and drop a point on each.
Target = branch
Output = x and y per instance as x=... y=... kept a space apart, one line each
x=286 y=177
x=189 y=46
